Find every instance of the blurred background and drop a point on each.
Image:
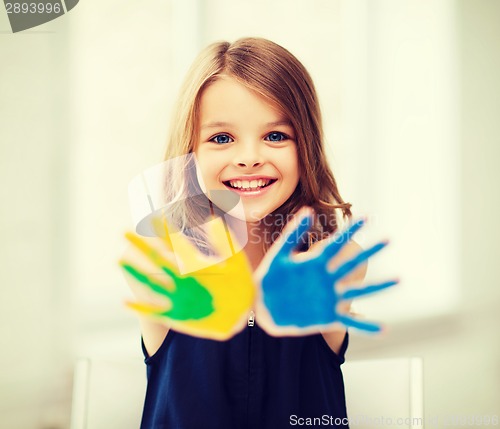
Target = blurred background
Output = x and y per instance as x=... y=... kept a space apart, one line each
x=411 y=102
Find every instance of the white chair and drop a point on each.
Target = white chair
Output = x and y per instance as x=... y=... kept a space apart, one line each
x=110 y=393
x=384 y=393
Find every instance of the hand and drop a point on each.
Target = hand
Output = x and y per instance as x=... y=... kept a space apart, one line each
x=210 y=302
x=299 y=293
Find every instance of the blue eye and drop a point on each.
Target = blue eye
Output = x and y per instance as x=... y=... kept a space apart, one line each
x=221 y=139
x=277 y=137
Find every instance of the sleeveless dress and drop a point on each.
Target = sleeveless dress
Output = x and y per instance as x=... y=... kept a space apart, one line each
x=252 y=380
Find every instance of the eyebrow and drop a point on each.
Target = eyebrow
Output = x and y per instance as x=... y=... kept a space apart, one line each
x=227 y=124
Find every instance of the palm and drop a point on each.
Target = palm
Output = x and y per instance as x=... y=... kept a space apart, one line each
x=210 y=299
x=300 y=294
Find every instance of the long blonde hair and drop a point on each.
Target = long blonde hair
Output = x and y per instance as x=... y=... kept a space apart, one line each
x=274 y=73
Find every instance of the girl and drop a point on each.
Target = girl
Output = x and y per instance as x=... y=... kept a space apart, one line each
x=249 y=113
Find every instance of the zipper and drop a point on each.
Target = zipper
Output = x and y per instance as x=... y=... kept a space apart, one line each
x=250 y=331
x=251 y=319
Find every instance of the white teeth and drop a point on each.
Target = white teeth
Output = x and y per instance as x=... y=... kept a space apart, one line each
x=249 y=184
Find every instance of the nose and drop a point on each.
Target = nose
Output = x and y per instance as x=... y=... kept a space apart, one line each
x=248 y=156
x=249 y=164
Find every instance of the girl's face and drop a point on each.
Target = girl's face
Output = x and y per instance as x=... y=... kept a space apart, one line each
x=246 y=146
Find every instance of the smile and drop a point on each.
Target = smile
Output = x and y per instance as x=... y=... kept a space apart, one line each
x=252 y=186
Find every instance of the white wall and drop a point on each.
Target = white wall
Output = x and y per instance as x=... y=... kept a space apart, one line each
x=34 y=275
x=461 y=351
x=399 y=152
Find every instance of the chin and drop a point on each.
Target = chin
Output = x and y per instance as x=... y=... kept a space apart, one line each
x=248 y=215
x=258 y=215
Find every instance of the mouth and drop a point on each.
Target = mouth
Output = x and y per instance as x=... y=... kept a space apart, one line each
x=250 y=186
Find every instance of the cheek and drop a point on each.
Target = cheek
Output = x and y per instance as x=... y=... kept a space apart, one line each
x=291 y=169
x=201 y=178
x=201 y=167
x=208 y=168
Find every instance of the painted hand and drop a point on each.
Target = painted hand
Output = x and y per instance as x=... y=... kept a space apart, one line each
x=299 y=292
x=210 y=302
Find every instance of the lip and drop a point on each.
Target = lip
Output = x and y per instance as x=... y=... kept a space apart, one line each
x=250 y=177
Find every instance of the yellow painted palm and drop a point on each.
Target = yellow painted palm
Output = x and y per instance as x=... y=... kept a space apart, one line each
x=207 y=296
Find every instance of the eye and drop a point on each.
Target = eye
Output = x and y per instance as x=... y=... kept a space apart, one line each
x=277 y=137
x=221 y=139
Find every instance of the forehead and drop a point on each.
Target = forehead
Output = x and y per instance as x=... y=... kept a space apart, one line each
x=227 y=100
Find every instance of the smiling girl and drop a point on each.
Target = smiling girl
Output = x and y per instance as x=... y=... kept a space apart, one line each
x=249 y=113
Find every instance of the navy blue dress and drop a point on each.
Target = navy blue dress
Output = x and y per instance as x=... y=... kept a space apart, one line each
x=252 y=380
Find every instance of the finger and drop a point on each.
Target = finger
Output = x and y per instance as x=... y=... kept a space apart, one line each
x=188 y=255
x=219 y=237
x=151 y=253
x=175 y=241
x=352 y=264
x=366 y=290
x=146 y=308
x=340 y=240
x=358 y=324
x=189 y=258
x=160 y=226
x=291 y=236
x=145 y=279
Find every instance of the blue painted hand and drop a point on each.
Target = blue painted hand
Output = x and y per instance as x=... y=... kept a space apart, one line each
x=300 y=294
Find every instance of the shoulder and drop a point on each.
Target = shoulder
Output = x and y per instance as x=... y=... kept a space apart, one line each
x=153 y=334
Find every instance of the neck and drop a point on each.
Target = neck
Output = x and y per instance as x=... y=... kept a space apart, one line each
x=254 y=249
x=250 y=236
